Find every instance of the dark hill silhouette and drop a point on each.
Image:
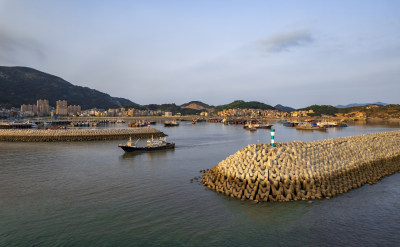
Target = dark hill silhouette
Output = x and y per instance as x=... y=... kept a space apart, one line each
x=22 y=85
x=284 y=108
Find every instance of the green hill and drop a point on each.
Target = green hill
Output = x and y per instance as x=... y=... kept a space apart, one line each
x=321 y=110
x=245 y=105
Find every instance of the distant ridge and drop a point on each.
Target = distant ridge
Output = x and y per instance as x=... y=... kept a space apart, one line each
x=196 y=105
x=360 y=104
x=284 y=108
x=23 y=85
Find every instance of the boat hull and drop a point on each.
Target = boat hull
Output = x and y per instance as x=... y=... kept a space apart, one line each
x=171 y=124
x=127 y=148
x=264 y=127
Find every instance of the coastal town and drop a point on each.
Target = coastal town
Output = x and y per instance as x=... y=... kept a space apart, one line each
x=42 y=108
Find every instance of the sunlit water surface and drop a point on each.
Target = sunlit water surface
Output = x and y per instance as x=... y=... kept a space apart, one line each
x=92 y=194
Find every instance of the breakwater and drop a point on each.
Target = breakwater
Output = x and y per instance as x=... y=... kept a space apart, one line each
x=50 y=135
x=300 y=170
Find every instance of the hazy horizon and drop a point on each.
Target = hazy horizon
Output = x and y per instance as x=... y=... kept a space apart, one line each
x=293 y=53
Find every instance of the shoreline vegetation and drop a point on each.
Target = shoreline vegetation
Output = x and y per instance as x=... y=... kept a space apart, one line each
x=300 y=170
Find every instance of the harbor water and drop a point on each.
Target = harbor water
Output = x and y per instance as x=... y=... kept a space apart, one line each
x=93 y=194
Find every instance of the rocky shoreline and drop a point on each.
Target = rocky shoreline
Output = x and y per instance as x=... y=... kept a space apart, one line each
x=300 y=170
x=66 y=135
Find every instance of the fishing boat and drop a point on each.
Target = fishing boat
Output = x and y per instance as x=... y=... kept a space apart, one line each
x=332 y=124
x=290 y=124
x=152 y=144
x=136 y=124
x=262 y=126
x=307 y=126
x=171 y=124
x=31 y=124
x=249 y=127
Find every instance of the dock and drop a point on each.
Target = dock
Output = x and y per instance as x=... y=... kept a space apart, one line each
x=68 y=135
x=15 y=125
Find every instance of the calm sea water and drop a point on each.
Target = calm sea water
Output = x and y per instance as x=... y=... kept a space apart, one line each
x=92 y=194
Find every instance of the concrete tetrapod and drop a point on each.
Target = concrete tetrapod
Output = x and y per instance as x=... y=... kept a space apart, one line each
x=306 y=170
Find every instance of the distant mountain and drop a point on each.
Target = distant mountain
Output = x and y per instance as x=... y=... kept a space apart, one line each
x=243 y=104
x=358 y=104
x=22 y=85
x=196 y=105
x=284 y=108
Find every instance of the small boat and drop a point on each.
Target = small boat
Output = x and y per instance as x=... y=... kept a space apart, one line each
x=137 y=124
x=249 y=127
x=288 y=124
x=262 y=126
x=152 y=144
x=310 y=127
x=171 y=124
x=33 y=124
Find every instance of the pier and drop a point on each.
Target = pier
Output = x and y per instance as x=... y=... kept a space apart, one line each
x=15 y=125
x=66 y=135
x=300 y=170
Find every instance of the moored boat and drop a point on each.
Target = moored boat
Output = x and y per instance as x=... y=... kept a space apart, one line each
x=171 y=124
x=307 y=126
x=250 y=127
x=138 y=124
x=290 y=124
x=263 y=126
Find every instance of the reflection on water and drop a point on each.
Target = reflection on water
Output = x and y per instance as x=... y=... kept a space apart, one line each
x=156 y=154
x=377 y=122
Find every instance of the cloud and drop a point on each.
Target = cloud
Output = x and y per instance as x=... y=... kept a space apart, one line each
x=285 y=41
x=13 y=45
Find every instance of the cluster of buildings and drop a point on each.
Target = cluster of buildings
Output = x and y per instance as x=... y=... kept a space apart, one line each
x=120 y=112
x=354 y=115
x=255 y=113
x=9 y=113
x=252 y=113
x=42 y=108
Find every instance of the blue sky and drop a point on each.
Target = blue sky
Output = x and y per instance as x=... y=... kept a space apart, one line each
x=294 y=53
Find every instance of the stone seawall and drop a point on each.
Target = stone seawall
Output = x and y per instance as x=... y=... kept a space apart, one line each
x=300 y=170
x=62 y=135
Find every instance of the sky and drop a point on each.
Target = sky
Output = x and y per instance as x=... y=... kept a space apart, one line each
x=294 y=53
